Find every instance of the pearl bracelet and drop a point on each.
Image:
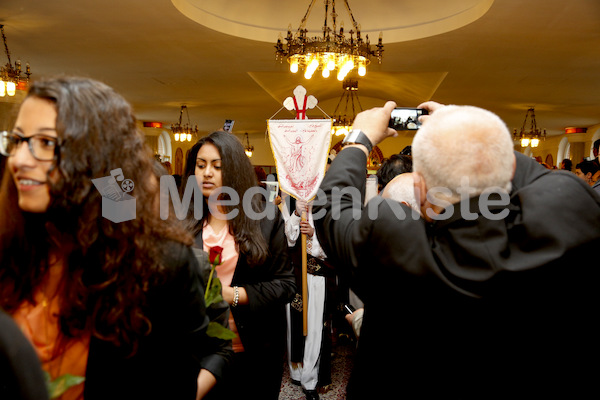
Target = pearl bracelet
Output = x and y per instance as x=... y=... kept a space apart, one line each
x=236 y=296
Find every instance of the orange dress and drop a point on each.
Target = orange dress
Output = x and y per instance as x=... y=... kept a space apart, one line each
x=225 y=270
x=40 y=324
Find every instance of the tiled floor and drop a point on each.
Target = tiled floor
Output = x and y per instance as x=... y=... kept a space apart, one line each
x=341 y=365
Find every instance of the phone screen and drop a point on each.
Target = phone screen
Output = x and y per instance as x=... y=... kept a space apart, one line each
x=406 y=119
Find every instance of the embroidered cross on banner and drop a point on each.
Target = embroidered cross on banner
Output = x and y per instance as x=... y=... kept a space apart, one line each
x=300 y=102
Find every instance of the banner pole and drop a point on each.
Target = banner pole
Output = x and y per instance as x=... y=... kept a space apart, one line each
x=304 y=283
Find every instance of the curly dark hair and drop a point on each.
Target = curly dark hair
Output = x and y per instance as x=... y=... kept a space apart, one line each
x=238 y=174
x=108 y=266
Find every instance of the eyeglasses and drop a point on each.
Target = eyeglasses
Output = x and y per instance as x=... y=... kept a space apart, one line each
x=42 y=147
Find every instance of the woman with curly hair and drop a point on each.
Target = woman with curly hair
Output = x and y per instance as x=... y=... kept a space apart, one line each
x=257 y=279
x=120 y=304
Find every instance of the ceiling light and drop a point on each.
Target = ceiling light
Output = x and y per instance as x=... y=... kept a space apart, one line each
x=342 y=123
x=12 y=78
x=332 y=51
x=182 y=132
x=532 y=136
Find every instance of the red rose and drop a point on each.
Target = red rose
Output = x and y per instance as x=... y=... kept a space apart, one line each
x=214 y=255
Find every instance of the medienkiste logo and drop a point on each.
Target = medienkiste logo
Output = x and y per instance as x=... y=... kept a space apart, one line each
x=117 y=204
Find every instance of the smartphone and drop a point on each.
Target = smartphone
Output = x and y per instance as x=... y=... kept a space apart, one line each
x=272 y=189
x=406 y=119
x=349 y=309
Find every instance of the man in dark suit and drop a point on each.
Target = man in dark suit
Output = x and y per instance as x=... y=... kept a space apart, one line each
x=493 y=291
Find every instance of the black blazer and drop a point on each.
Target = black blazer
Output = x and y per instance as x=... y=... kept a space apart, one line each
x=261 y=323
x=470 y=307
x=167 y=363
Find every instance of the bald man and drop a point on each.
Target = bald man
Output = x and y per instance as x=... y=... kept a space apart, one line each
x=490 y=293
x=402 y=189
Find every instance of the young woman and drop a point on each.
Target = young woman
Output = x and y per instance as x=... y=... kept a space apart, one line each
x=120 y=304
x=255 y=273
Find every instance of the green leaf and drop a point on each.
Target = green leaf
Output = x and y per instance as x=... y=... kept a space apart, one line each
x=213 y=293
x=219 y=331
x=61 y=384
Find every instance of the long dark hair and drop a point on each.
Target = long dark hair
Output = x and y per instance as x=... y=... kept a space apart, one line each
x=108 y=266
x=237 y=173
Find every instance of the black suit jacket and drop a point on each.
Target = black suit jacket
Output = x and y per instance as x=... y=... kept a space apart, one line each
x=168 y=360
x=469 y=307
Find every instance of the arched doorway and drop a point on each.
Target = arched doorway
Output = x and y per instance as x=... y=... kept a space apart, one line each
x=164 y=147
x=564 y=151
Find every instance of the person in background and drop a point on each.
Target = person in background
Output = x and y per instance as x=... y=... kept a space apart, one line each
x=402 y=189
x=261 y=175
x=595 y=147
x=596 y=160
x=256 y=276
x=309 y=357
x=566 y=165
x=391 y=167
x=118 y=304
x=586 y=171
x=168 y=167
x=491 y=291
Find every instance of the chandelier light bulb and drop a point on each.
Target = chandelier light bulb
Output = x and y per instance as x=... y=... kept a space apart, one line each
x=311 y=68
x=325 y=73
x=535 y=142
x=331 y=64
x=294 y=66
x=349 y=65
x=176 y=137
x=2 y=89
x=362 y=69
x=11 y=88
x=524 y=142
x=189 y=137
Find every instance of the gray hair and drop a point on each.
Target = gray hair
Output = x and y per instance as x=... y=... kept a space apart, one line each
x=459 y=144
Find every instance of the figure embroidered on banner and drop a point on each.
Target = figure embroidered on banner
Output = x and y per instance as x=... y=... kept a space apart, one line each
x=297 y=151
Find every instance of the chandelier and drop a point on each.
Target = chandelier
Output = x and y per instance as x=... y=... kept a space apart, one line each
x=249 y=149
x=333 y=51
x=342 y=123
x=533 y=136
x=181 y=132
x=11 y=78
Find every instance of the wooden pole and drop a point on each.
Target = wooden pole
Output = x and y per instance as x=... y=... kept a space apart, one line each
x=304 y=283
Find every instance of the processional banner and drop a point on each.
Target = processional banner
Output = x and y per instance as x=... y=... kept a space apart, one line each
x=300 y=148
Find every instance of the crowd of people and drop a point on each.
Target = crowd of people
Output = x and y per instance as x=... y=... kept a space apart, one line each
x=473 y=268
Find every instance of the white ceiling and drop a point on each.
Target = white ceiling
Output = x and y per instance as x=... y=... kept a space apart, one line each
x=513 y=55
